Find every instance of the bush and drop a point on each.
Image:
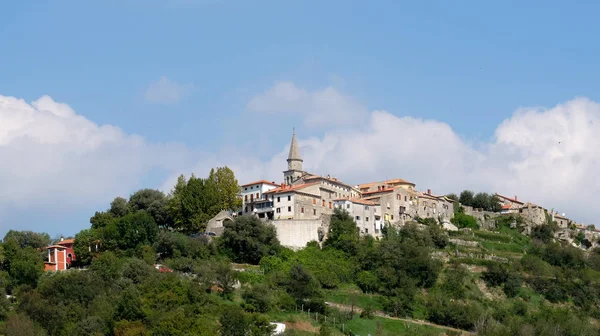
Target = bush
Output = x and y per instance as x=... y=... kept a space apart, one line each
x=465 y=221
x=367 y=282
x=367 y=313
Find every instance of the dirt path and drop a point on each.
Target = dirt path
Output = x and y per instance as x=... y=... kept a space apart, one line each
x=345 y=307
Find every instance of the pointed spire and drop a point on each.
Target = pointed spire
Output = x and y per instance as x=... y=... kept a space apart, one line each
x=294 y=149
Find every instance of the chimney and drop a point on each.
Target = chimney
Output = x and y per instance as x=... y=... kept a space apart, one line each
x=428 y=191
x=516 y=198
x=378 y=188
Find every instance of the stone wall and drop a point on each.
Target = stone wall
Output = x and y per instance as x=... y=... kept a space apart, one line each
x=533 y=215
x=485 y=219
x=295 y=233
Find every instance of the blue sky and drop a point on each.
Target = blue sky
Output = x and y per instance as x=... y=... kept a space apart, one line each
x=467 y=64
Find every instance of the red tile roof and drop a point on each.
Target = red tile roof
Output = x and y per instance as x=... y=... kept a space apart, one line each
x=378 y=191
x=55 y=246
x=66 y=241
x=286 y=188
x=509 y=199
x=357 y=201
x=260 y=182
x=505 y=207
x=386 y=182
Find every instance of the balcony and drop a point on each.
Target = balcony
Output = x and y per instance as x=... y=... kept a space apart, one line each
x=263 y=206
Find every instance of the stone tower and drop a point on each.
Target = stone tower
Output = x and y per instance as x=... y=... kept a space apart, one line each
x=294 y=171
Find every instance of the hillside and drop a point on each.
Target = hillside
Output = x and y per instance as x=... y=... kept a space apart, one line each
x=134 y=277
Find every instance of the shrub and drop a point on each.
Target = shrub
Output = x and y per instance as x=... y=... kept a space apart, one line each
x=464 y=221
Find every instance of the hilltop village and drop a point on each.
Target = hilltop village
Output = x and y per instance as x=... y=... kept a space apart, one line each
x=301 y=206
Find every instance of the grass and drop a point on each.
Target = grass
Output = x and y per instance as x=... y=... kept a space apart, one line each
x=364 y=327
x=359 y=299
x=493 y=237
x=493 y=246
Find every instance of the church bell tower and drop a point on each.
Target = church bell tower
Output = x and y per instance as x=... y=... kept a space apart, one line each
x=294 y=171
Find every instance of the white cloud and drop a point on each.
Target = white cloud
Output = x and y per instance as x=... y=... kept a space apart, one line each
x=546 y=156
x=327 y=107
x=51 y=157
x=166 y=91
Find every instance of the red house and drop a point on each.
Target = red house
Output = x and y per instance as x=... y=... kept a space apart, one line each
x=60 y=255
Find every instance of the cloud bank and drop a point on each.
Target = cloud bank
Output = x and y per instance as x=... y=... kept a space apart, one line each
x=54 y=158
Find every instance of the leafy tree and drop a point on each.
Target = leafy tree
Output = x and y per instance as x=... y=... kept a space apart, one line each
x=259 y=298
x=91 y=326
x=119 y=207
x=106 y=265
x=26 y=267
x=544 y=232
x=129 y=305
x=233 y=322
x=24 y=239
x=301 y=285
x=495 y=275
x=438 y=236
x=136 y=229
x=137 y=270
x=154 y=202
x=343 y=234
x=225 y=278
x=21 y=325
x=228 y=188
x=247 y=239
x=367 y=282
x=101 y=219
x=453 y=197
x=84 y=241
x=466 y=198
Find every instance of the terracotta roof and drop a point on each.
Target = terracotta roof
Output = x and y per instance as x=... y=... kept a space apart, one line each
x=260 y=182
x=357 y=200
x=509 y=199
x=66 y=241
x=330 y=179
x=378 y=191
x=556 y=215
x=506 y=207
x=284 y=189
x=392 y=181
x=55 y=246
x=426 y=195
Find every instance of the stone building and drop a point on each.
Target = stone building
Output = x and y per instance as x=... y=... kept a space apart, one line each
x=254 y=197
x=532 y=214
x=509 y=205
x=366 y=214
x=301 y=201
x=429 y=205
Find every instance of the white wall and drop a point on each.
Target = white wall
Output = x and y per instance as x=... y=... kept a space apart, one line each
x=296 y=233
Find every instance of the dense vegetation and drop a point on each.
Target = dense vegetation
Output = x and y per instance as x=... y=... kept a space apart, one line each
x=237 y=283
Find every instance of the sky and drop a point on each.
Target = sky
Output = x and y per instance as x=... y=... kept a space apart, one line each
x=101 y=98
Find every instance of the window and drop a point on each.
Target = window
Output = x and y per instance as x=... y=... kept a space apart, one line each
x=246 y=188
x=357 y=218
x=348 y=206
x=246 y=209
x=323 y=203
x=278 y=210
x=329 y=205
x=257 y=195
x=302 y=210
x=366 y=207
x=315 y=212
x=289 y=197
x=366 y=219
x=289 y=209
x=314 y=201
x=246 y=198
x=392 y=217
x=366 y=230
x=404 y=198
x=398 y=197
x=278 y=199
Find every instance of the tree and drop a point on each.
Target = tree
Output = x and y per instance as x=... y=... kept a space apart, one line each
x=482 y=201
x=225 y=277
x=129 y=305
x=247 y=239
x=301 y=285
x=84 y=241
x=343 y=234
x=119 y=207
x=233 y=322
x=367 y=282
x=453 y=197
x=466 y=198
x=154 y=202
x=462 y=220
x=26 y=267
x=136 y=229
x=21 y=325
x=24 y=239
x=227 y=188
x=101 y=219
